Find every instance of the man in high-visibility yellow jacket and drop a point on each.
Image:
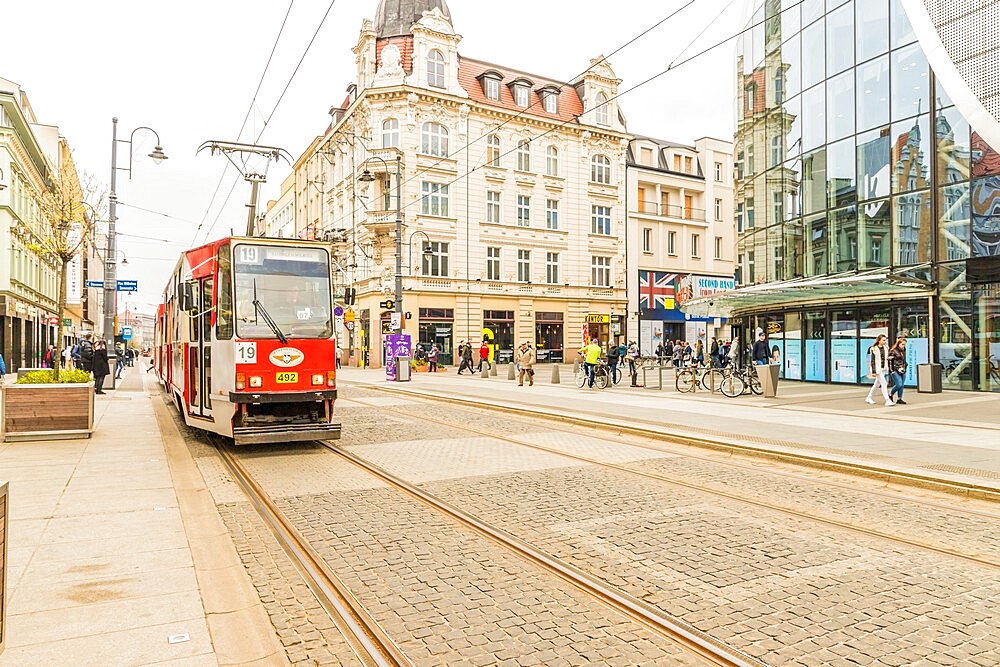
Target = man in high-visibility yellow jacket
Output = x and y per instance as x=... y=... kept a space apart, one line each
x=592 y=354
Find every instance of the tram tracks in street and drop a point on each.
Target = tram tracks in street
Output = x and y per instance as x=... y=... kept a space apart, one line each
x=698 y=487
x=371 y=644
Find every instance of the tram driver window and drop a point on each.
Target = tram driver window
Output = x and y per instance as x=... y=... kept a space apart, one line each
x=224 y=317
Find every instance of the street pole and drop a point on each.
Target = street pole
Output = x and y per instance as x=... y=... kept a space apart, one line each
x=111 y=251
x=399 y=243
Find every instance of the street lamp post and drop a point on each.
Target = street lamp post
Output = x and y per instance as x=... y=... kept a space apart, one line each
x=366 y=177
x=111 y=251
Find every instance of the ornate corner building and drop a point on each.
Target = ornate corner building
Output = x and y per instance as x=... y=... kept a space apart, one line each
x=868 y=186
x=512 y=193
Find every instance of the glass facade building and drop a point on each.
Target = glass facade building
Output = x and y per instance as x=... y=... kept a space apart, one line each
x=864 y=199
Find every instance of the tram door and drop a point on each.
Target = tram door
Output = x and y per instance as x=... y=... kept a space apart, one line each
x=200 y=351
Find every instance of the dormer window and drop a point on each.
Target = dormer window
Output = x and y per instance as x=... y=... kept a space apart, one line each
x=601 y=113
x=550 y=99
x=521 y=91
x=491 y=84
x=435 y=69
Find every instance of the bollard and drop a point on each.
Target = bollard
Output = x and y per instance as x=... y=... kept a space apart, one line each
x=485 y=374
x=493 y=369
x=555 y=374
x=510 y=371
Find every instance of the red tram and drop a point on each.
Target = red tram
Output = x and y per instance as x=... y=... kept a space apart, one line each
x=244 y=340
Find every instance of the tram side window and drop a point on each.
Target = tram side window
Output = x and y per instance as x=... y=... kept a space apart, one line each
x=224 y=318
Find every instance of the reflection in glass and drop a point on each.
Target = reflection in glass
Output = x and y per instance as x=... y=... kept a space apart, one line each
x=954 y=222
x=813 y=118
x=900 y=30
x=813 y=56
x=790 y=18
x=840 y=39
x=791 y=184
x=913 y=324
x=911 y=151
x=873 y=164
x=811 y=10
x=779 y=268
x=953 y=153
x=844 y=232
x=872 y=28
x=986 y=216
x=911 y=228
x=986 y=332
x=955 y=336
x=814 y=336
x=794 y=246
x=816 y=245
x=985 y=160
x=814 y=182
x=909 y=82
x=873 y=234
x=791 y=357
x=873 y=93
x=793 y=126
x=791 y=61
x=840 y=106
x=840 y=173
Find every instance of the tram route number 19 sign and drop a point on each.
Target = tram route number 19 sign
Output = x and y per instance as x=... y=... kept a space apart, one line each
x=246 y=352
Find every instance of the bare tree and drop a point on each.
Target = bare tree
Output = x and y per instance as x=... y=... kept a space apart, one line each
x=69 y=212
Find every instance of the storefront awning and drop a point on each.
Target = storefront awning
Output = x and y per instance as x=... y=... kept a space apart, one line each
x=847 y=287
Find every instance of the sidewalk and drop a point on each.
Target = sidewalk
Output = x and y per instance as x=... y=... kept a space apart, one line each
x=949 y=437
x=107 y=558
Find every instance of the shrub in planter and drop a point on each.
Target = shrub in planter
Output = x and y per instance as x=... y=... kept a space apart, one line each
x=48 y=377
x=39 y=407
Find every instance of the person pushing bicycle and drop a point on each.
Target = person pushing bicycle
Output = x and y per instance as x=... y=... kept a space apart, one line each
x=591 y=355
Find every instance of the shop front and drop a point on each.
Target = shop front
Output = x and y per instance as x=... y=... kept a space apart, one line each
x=549 y=337
x=498 y=330
x=661 y=318
x=598 y=325
x=437 y=325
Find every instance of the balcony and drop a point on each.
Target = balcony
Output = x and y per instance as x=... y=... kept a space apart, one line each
x=381 y=222
x=671 y=211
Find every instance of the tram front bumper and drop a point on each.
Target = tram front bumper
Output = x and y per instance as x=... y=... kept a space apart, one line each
x=277 y=433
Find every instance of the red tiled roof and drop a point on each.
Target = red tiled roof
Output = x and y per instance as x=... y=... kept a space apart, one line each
x=570 y=104
x=989 y=163
x=405 y=46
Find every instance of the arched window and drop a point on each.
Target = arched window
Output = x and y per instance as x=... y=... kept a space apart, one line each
x=523 y=155
x=435 y=69
x=551 y=161
x=601 y=114
x=434 y=139
x=390 y=133
x=600 y=169
x=493 y=150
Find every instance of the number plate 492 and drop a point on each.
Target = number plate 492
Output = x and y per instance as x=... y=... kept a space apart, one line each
x=286 y=378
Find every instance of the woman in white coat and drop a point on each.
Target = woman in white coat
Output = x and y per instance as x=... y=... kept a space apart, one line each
x=879 y=370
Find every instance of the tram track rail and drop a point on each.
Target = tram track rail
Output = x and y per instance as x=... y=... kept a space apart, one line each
x=697 y=487
x=371 y=644
x=714 y=651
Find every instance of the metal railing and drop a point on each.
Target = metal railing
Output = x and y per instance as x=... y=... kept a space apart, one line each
x=671 y=210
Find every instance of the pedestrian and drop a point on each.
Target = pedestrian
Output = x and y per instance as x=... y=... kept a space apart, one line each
x=688 y=353
x=591 y=355
x=526 y=362
x=622 y=351
x=484 y=356
x=613 y=358
x=51 y=358
x=897 y=369
x=761 y=355
x=86 y=353
x=878 y=367
x=733 y=352
x=466 y=353
x=677 y=353
x=699 y=353
x=67 y=357
x=3 y=369
x=633 y=356
x=432 y=358
x=713 y=352
x=120 y=361
x=661 y=352
x=99 y=365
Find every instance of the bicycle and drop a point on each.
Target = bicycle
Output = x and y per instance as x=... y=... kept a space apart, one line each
x=689 y=378
x=739 y=381
x=602 y=375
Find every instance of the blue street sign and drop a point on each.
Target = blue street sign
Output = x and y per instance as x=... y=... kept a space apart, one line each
x=94 y=283
x=126 y=333
x=338 y=311
x=128 y=285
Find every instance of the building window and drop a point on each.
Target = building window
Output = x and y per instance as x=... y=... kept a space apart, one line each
x=521 y=95
x=688 y=165
x=435 y=262
x=552 y=214
x=775 y=151
x=646 y=156
x=677 y=163
x=552 y=268
x=435 y=69
x=647 y=239
x=779 y=206
x=523 y=211
x=493 y=207
x=551 y=161
x=750 y=164
x=718 y=172
x=601 y=113
x=434 y=139
x=600 y=220
x=751 y=268
x=718 y=210
x=524 y=155
x=550 y=102
x=493 y=263
x=600 y=169
x=524 y=266
x=749 y=211
x=739 y=217
x=390 y=133
x=876 y=251
x=434 y=200
x=695 y=242
x=672 y=243
x=718 y=247
x=491 y=86
x=493 y=150
x=779 y=87
x=600 y=271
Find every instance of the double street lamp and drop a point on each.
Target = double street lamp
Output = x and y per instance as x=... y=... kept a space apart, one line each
x=367 y=177
x=111 y=252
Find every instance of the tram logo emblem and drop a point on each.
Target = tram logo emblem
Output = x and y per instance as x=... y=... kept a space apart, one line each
x=286 y=357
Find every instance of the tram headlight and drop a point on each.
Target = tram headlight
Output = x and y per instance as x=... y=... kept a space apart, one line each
x=317 y=378
x=255 y=381
x=241 y=380
x=331 y=378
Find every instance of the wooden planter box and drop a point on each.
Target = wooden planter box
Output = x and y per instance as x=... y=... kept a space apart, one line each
x=47 y=411
x=4 y=513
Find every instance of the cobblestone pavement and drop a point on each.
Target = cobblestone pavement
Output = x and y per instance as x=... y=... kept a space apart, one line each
x=788 y=590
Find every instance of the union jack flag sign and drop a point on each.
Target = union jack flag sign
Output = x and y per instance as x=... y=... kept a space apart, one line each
x=656 y=290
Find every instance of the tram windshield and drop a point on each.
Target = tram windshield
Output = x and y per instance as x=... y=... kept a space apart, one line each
x=290 y=284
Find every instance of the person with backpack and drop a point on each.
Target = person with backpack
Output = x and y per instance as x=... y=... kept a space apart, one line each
x=86 y=360
x=51 y=358
x=99 y=365
x=613 y=357
x=878 y=368
x=714 y=352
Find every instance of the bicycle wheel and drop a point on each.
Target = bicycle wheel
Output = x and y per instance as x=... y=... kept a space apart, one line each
x=711 y=380
x=753 y=381
x=685 y=380
x=581 y=377
x=602 y=378
x=732 y=385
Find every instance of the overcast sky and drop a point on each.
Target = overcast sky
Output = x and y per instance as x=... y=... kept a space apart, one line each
x=189 y=69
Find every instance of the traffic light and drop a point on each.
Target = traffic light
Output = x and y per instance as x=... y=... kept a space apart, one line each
x=349 y=295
